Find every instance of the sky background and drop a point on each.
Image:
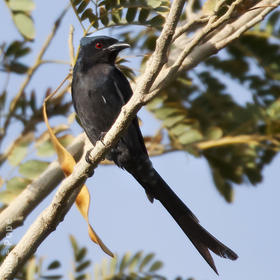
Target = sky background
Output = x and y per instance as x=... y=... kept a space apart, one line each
x=120 y=211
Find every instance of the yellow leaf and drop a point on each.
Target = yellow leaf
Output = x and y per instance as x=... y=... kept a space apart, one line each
x=67 y=163
x=82 y=202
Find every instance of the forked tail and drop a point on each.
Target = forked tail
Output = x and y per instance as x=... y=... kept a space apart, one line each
x=156 y=187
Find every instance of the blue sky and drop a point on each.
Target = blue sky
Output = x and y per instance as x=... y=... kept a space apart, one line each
x=126 y=220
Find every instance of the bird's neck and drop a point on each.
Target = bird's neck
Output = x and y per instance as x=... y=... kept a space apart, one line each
x=85 y=64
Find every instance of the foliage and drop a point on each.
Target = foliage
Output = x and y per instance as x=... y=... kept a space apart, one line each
x=33 y=268
x=80 y=264
x=127 y=267
x=21 y=15
x=109 y=13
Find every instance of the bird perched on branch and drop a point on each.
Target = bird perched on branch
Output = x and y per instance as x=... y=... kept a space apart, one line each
x=99 y=90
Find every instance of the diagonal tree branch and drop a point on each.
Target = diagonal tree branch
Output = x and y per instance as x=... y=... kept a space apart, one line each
x=69 y=189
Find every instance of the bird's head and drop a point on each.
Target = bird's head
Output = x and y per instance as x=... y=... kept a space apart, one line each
x=100 y=49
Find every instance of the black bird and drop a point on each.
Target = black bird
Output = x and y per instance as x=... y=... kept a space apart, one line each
x=99 y=90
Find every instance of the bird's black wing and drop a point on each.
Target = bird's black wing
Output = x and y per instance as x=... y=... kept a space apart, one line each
x=131 y=147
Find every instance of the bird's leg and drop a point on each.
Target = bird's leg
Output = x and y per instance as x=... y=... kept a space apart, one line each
x=90 y=173
x=88 y=157
x=101 y=137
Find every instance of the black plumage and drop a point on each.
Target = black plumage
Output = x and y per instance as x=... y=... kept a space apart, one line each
x=99 y=90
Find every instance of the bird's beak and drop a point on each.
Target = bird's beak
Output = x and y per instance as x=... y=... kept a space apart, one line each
x=118 y=46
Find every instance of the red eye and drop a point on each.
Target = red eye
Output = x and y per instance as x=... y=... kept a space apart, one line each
x=98 y=45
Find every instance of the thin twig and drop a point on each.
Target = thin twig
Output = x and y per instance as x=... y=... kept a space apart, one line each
x=189 y=24
x=233 y=140
x=31 y=71
x=71 y=46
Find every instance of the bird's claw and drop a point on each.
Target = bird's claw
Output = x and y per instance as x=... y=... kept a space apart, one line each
x=90 y=172
x=88 y=156
x=101 y=137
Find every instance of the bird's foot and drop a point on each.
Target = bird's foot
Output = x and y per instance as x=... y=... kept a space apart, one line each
x=90 y=172
x=88 y=156
x=101 y=137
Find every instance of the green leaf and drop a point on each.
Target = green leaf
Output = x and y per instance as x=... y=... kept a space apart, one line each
x=45 y=149
x=81 y=277
x=145 y=261
x=54 y=265
x=143 y=15
x=104 y=16
x=173 y=120
x=81 y=254
x=157 y=21
x=13 y=189
x=214 y=133
x=20 y=150
x=166 y=112
x=88 y=14
x=17 y=67
x=223 y=186
x=124 y=262
x=17 y=49
x=130 y=15
x=116 y=16
x=74 y=245
x=82 y=266
x=82 y=6
x=3 y=96
x=154 y=3
x=21 y=5
x=113 y=265
x=190 y=136
x=6 y=197
x=17 y=184
x=66 y=140
x=180 y=129
x=51 y=277
x=76 y=2
x=24 y=25
x=156 y=266
x=134 y=261
x=33 y=168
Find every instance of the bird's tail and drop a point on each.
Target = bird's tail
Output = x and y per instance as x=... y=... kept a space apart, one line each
x=156 y=187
